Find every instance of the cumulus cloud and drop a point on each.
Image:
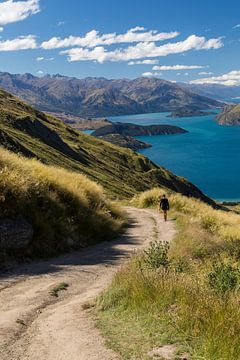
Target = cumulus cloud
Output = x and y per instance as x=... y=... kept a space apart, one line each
x=144 y=62
x=1 y=29
x=13 y=11
x=93 y=38
x=20 y=43
x=151 y=74
x=230 y=79
x=236 y=26
x=142 y=50
x=178 y=67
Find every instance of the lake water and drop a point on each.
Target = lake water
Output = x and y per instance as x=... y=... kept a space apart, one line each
x=208 y=156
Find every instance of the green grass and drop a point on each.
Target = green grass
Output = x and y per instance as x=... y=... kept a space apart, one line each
x=60 y=287
x=191 y=300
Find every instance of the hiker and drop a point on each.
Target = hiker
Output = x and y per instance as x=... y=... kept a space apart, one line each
x=164 y=205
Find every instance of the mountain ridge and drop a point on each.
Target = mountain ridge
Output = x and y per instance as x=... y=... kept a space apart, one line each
x=100 y=97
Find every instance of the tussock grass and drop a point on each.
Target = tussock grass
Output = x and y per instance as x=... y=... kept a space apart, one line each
x=66 y=209
x=191 y=300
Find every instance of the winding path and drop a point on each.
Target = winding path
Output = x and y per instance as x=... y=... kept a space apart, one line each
x=37 y=326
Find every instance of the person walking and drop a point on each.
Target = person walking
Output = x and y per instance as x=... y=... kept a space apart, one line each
x=164 y=205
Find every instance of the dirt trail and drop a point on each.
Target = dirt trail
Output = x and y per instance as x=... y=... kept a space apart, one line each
x=37 y=326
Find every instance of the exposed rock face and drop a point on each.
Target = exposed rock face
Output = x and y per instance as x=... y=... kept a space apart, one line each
x=230 y=115
x=15 y=234
x=100 y=97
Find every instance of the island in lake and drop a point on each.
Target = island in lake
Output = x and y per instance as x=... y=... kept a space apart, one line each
x=189 y=112
x=122 y=134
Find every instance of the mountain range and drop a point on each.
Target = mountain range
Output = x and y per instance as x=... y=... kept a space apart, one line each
x=214 y=91
x=35 y=134
x=100 y=97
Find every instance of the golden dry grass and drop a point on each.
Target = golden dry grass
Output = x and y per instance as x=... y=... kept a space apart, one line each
x=193 y=301
x=64 y=207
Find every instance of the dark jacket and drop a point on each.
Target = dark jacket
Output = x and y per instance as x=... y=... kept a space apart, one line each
x=164 y=204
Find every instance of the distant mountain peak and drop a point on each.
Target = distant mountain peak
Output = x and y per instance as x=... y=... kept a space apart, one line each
x=100 y=97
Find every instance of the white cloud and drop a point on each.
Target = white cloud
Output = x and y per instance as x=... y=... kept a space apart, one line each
x=1 y=29
x=40 y=72
x=142 y=50
x=61 y=23
x=178 y=67
x=144 y=62
x=42 y=58
x=151 y=74
x=236 y=26
x=13 y=11
x=186 y=74
x=205 y=73
x=231 y=78
x=20 y=43
x=93 y=38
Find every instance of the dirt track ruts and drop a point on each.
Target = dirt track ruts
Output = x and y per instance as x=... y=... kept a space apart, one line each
x=58 y=328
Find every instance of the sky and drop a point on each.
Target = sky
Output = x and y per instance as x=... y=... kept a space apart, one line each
x=177 y=40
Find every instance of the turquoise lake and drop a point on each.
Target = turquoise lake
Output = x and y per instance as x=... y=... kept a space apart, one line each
x=208 y=155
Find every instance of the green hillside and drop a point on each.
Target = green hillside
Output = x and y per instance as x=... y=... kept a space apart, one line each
x=121 y=172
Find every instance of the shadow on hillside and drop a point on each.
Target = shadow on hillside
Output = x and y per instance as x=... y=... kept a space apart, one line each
x=107 y=253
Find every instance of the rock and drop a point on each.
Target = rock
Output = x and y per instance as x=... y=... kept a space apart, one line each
x=15 y=234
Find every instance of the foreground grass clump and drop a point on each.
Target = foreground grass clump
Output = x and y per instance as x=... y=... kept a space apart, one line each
x=60 y=287
x=187 y=294
x=66 y=209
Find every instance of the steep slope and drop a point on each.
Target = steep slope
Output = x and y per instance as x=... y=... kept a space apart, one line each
x=99 y=97
x=122 y=172
x=230 y=115
x=45 y=210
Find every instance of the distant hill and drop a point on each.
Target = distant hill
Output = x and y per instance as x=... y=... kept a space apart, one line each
x=100 y=97
x=128 y=129
x=122 y=134
x=122 y=172
x=230 y=115
x=214 y=91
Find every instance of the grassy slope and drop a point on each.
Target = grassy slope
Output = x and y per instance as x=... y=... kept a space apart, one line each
x=193 y=302
x=66 y=209
x=122 y=172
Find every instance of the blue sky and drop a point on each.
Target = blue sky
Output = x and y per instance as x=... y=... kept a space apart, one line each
x=178 y=40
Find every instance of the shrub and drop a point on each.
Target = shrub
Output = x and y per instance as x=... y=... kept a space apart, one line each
x=156 y=255
x=209 y=223
x=224 y=277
